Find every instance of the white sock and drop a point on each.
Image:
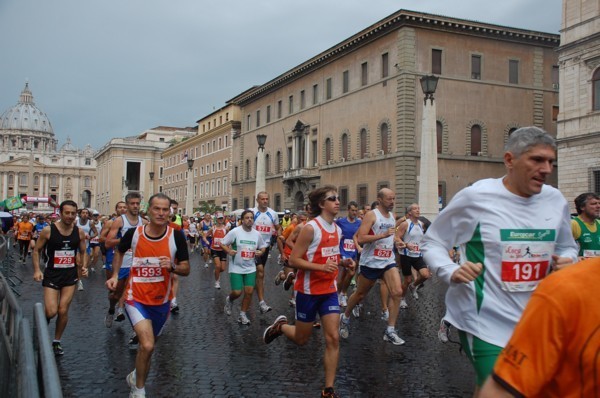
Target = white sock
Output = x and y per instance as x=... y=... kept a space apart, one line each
x=391 y=329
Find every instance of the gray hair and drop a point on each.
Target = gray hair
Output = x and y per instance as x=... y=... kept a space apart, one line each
x=523 y=139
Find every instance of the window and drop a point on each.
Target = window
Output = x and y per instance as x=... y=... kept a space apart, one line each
x=512 y=130
x=22 y=179
x=201 y=171
x=36 y=180
x=302 y=100
x=225 y=186
x=258 y=118
x=314 y=153
x=439 y=129
x=220 y=119
x=202 y=150
x=235 y=174
x=290 y=104
x=225 y=164
x=596 y=177
x=278 y=162
x=279 y=107
x=247 y=124
x=268 y=113
x=555 y=111
x=475 y=140
x=289 y=156
x=554 y=76
x=436 y=61
x=363 y=143
x=213 y=167
x=226 y=141
x=513 y=71
x=11 y=180
x=596 y=90
x=267 y=164
x=385 y=65
x=88 y=161
x=362 y=195
x=343 y=191
x=219 y=165
x=345 y=81
x=315 y=94
x=277 y=199
x=247 y=169
x=328 y=89
x=234 y=203
x=327 y=150
x=87 y=182
x=476 y=67
x=364 y=74
x=385 y=137
x=345 y=147
x=218 y=187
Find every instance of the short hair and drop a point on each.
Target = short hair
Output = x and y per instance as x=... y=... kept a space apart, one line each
x=132 y=195
x=67 y=202
x=581 y=200
x=316 y=196
x=352 y=203
x=262 y=193
x=245 y=212
x=117 y=205
x=410 y=207
x=174 y=202
x=523 y=139
x=374 y=204
x=158 y=195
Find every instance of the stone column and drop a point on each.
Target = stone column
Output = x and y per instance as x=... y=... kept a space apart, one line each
x=428 y=170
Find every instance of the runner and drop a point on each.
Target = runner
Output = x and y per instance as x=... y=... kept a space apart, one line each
x=158 y=251
x=316 y=256
x=95 y=240
x=217 y=233
x=349 y=248
x=24 y=232
x=206 y=225
x=85 y=224
x=193 y=235
x=62 y=244
x=496 y=222
x=376 y=234
x=585 y=226
x=242 y=245
x=40 y=224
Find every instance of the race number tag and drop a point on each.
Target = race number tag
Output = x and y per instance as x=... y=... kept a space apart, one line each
x=64 y=258
x=526 y=257
x=217 y=243
x=247 y=254
x=95 y=239
x=263 y=229
x=382 y=252
x=147 y=270
x=591 y=253
x=349 y=245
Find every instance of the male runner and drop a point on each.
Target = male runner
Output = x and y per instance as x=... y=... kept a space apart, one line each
x=349 y=248
x=316 y=255
x=585 y=225
x=63 y=245
x=266 y=222
x=158 y=251
x=95 y=240
x=24 y=233
x=85 y=224
x=376 y=234
x=511 y=232
x=217 y=233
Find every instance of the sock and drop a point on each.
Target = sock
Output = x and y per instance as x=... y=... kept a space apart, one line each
x=242 y=313
x=391 y=329
x=174 y=301
x=55 y=341
x=261 y=302
x=142 y=390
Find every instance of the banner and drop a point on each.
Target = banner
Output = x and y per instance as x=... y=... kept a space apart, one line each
x=13 y=203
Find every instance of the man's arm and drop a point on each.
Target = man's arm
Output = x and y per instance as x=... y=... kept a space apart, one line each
x=112 y=240
x=105 y=230
x=364 y=230
x=35 y=258
x=83 y=259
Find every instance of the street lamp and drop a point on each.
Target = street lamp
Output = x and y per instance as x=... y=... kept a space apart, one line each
x=189 y=198
x=260 y=164
x=428 y=170
x=151 y=175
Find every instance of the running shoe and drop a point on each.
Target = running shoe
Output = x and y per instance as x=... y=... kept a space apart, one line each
x=279 y=278
x=443 y=331
x=393 y=337
x=289 y=281
x=205 y=265
x=217 y=285
x=131 y=379
x=243 y=319
x=422 y=285
x=329 y=393
x=343 y=300
x=79 y=284
x=133 y=342
x=57 y=348
x=385 y=315
x=356 y=310
x=264 y=308
x=403 y=304
x=413 y=291
x=108 y=319
x=120 y=315
x=292 y=302
x=137 y=394
x=316 y=325
x=274 y=331
x=228 y=305
x=344 y=326
x=174 y=307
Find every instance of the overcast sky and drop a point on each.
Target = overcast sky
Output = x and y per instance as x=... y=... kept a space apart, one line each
x=114 y=68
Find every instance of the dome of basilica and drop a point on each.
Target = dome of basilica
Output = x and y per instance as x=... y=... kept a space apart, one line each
x=25 y=116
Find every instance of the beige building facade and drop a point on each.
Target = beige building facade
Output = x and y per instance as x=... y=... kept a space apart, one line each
x=32 y=164
x=579 y=118
x=134 y=164
x=211 y=150
x=351 y=115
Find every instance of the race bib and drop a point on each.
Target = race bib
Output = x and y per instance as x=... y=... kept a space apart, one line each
x=217 y=243
x=383 y=252
x=247 y=254
x=263 y=229
x=526 y=257
x=591 y=253
x=64 y=258
x=147 y=270
x=95 y=239
x=349 y=245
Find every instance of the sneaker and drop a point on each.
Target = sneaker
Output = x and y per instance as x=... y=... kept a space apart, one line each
x=131 y=379
x=103 y=266
x=217 y=285
x=137 y=394
x=343 y=300
x=289 y=281
x=413 y=291
x=329 y=393
x=292 y=302
x=274 y=331
x=205 y=265
x=228 y=305
x=57 y=348
x=443 y=331
x=279 y=277
x=133 y=342
x=385 y=315
x=174 y=307
x=243 y=319
x=108 y=319
x=344 y=323
x=403 y=304
x=356 y=310
x=316 y=325
x=264 y=308
x=80 y=285
x=422 y=285
x=393 y=338
x=120 y=315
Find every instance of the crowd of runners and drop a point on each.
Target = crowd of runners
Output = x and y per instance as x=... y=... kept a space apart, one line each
x=493 y=245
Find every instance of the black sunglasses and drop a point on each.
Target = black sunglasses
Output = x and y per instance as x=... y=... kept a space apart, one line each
x=333 y=198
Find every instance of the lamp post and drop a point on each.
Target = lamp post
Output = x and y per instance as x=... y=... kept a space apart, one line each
x=260 y=164
x=428 y=170
x=189 y=198
x=151 y=175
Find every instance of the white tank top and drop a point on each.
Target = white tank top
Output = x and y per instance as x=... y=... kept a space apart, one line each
x=128 y=256
x=379 y=254
x=413 y=234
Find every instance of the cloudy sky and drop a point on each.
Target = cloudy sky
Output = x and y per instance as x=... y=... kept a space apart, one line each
x=114 y=68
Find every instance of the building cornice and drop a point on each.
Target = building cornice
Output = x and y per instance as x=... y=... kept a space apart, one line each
x=223 y=128
x=393 y=22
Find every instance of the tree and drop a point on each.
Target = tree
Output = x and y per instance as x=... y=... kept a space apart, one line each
x=208 y=207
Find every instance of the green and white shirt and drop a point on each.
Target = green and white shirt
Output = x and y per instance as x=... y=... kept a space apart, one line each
x=245 y=244
x=513 y=237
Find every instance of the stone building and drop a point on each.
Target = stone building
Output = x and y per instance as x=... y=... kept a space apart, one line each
x=32 y=164
x=579 y=118
x=134 y=164
x=350 y=116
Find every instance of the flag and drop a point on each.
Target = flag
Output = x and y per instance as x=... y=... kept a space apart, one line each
x=13 y=203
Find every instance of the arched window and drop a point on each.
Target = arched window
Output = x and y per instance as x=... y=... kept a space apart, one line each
x=278 y=162
x=11 y=179
x=475 y=140
x=36 y=180
x=268 y=163
x=247 y=169
x=385 y=136
x=512 y=130
x=363 y=143
x=439 y=129
x=345 y=147
x=596 y=90
x=327 y=150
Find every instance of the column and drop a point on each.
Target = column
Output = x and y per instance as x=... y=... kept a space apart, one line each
x=307 y=148
x=428 y=179
x=294 y=154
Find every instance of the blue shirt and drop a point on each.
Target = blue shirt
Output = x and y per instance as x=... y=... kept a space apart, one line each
x=347 y=246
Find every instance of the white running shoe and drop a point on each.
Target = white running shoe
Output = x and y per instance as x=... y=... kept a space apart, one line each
x=264 y=308
x=344 y=329
x=393 y=338
x=228 y=306
x=131 y=379
x=343 y=300
x=279 y=278
x=243 y=319
x=356 y=310
x=413 y=291
x=217 y=285
x=403 y=304
x=80 y=285
x=385 y=315
x=443 y=331
x=292 y=302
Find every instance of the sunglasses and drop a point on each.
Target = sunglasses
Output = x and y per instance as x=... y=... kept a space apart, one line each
x=333 y=198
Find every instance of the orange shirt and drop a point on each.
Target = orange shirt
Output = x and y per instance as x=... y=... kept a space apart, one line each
x=553 y=351
x=24 y=230
x=286 y=234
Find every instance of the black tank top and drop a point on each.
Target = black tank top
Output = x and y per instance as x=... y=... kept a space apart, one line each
x=60 y=250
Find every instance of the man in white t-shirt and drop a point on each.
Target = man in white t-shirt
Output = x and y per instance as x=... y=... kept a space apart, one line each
x=512 y=231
